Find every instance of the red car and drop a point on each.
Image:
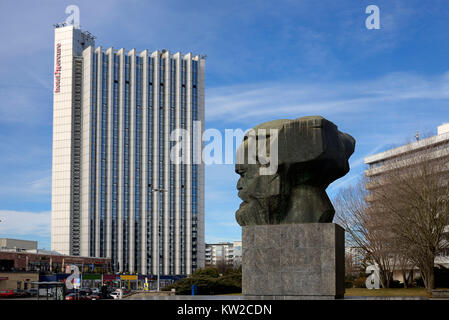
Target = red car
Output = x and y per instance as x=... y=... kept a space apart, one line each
x=71 y=296
x=94 y=296
x=76 y=296
x=7 y=293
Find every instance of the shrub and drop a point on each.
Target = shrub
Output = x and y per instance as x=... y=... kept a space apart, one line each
x=359 y=282
x=231 y=283
x=207 y=272
x=208 y=281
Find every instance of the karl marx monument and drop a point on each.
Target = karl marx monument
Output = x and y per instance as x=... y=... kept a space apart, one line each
x=291 y=248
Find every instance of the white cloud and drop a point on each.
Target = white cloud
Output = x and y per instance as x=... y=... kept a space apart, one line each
x=39 y=79
x=343 y=182
x=386 y=141
x=40 y=186
x=28 y=183
x=25 y=223
x=257 y=101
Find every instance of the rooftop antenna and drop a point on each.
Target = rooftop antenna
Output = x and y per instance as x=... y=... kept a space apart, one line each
x=417 y=136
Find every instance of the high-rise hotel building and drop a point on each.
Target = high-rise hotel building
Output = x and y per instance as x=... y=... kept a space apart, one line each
x=113 y=183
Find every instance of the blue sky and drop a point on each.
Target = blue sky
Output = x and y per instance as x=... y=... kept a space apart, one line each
x=265 y=60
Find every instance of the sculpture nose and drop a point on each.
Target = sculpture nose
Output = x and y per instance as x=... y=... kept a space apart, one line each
x=240 y=184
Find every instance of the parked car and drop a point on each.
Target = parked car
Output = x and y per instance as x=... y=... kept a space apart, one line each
x=69 y=291
x=95 y=290
x=7 y=293
x=115 y=295
x=94 y=296
x=71 y=296
x=77 y=296
x=88 y=290
x=21 y=293
x=32 y=292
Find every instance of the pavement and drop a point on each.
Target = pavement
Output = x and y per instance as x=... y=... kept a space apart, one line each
x=240 y=297
x=234 y=298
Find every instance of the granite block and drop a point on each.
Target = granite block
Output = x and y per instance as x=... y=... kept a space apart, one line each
x=293 y=260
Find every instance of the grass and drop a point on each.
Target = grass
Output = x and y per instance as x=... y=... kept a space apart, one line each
x=361 y=292
x=411 y=292
x=399 y=292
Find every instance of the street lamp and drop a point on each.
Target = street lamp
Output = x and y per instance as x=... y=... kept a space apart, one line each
x=156 y=191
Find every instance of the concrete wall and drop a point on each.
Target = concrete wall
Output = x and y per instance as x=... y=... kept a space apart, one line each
x=18 y=244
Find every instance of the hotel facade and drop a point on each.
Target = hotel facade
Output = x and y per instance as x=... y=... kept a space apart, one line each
x=115 y=192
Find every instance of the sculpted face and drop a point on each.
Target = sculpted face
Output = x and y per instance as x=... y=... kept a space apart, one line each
x=260 y=194
x=312 y=153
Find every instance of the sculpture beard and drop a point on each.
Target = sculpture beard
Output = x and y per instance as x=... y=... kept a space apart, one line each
x=275 y=200
x=260 y=205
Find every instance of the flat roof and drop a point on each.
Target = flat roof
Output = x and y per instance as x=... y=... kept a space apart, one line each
x=407 y=148
x=17 y=239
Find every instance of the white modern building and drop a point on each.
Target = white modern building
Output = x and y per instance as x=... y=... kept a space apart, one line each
x=435 y=147
x=227 y=253
x=113 y=183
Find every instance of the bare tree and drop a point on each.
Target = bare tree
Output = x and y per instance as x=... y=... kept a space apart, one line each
x=221 y=266
x=411 y=196
x=350 y=266
x=355 y=262
x=366 y=230
x=405 y=263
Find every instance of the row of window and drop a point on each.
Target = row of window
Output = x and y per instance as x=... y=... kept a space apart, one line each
x=124 y=127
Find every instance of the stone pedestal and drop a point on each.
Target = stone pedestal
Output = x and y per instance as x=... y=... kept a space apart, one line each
x=293 y=261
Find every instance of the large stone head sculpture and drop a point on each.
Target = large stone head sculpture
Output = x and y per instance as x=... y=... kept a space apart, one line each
x=311 y=153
